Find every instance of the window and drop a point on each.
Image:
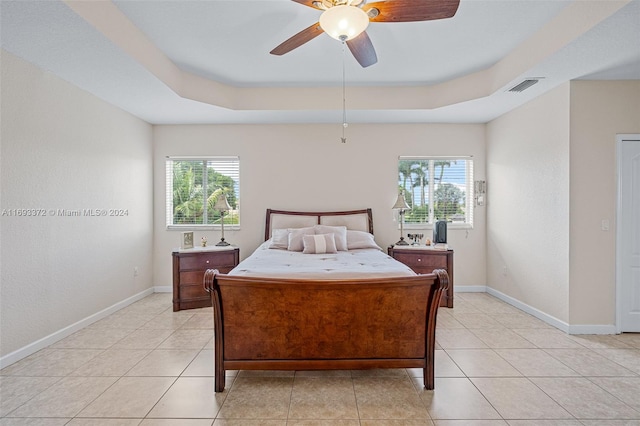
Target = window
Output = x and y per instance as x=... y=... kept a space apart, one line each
x=193 y=187
x=437 y=188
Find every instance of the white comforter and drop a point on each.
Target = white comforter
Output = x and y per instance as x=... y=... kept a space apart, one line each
x=361 y=263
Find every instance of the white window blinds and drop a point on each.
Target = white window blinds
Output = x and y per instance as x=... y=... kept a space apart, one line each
x=193 y=186
x=437 y=188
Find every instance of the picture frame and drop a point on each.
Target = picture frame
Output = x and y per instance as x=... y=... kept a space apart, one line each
x=187 y=240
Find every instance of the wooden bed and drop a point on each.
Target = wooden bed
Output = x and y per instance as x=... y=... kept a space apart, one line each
x=313 y=324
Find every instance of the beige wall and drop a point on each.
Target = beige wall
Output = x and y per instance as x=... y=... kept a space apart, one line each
x=528 y=204
x=599 y=111
x=305 y=167
x=65 y=149
x=551 y=172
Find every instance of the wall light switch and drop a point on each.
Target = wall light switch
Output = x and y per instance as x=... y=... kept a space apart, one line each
x=605 y=224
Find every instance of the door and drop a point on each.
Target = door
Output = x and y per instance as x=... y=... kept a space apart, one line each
x=628 y=233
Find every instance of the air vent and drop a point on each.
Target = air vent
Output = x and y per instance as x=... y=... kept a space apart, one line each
x=524 y=85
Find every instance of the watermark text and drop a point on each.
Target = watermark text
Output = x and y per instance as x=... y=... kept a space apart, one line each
x=37 y=212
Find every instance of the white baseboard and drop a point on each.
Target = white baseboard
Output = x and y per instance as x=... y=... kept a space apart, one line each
x=34 y=347
x=163 y=289
x=561 y=325
x=555 y=322
x=592 y=329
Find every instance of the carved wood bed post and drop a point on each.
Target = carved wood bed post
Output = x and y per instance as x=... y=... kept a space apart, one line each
x=211 y=286
x=429 y=369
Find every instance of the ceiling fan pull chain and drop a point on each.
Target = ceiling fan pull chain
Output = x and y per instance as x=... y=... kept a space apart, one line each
x=344 y=97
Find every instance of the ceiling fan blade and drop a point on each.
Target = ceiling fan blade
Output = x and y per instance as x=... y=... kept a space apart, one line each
x=298 y=40
x=412 y=10
x=310 y=3
x=362 y=49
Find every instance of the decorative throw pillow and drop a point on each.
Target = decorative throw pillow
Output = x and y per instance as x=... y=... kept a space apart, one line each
x=360 y=240
x=340 y=234
x=319 y=244
x=279 y=239
x=295 y=238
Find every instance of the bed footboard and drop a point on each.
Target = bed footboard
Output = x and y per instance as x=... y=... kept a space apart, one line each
x=295 y=324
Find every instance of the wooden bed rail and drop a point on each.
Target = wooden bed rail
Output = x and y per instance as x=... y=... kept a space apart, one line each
x=308 y=324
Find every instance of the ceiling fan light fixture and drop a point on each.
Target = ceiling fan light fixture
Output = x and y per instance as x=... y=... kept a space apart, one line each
x=344 y=22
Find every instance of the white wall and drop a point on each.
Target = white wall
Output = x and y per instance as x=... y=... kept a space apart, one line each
x=528 y=204
x=599 y=111
x=62 y=148
x=305 y=167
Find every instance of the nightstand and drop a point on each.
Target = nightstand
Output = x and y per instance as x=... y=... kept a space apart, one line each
x=423 y=260
x=189 y=266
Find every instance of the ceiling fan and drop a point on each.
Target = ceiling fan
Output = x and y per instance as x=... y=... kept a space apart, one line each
x=346 y=20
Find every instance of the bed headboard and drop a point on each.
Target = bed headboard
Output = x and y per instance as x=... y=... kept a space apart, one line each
x=357 y=220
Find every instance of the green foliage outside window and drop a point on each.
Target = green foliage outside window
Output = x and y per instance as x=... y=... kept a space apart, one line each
x=196 y=186
x=435 y=189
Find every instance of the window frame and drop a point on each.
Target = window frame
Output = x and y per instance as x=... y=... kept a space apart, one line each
x=469 y=202
x=169 y=209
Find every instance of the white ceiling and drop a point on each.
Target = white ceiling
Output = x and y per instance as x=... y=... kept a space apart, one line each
x=208 y=61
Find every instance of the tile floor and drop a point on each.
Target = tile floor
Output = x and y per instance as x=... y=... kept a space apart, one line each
x=146 y=365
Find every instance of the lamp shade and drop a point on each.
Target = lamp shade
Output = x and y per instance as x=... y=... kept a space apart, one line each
x=401 y=203
x=344 y=22
x=222 y=204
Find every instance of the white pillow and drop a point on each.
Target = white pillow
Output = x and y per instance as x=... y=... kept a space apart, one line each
x=279 y=239
x=319 y=244
x=295 y=238
x=360 y=240
x=340 y=234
